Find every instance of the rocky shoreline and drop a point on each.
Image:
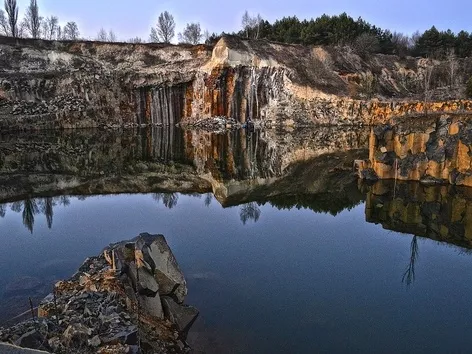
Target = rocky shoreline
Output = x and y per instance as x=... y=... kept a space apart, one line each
x=129 y=299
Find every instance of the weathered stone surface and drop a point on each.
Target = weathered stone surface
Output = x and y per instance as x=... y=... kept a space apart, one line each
x=166 y=270
x=181 y=315
x=11 y=349
x=422 y=151
x=47 y=84
x=32 y=339
x=76 y=335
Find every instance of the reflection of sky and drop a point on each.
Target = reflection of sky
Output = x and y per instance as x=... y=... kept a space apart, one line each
x=295 y=281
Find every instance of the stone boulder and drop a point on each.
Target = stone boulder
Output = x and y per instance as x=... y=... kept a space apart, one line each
x=157 y=254
x=182 y=316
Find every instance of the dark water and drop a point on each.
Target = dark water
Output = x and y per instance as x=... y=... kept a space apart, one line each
x=284 y=251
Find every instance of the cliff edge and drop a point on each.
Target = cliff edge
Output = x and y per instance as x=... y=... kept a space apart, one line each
x=50 y=84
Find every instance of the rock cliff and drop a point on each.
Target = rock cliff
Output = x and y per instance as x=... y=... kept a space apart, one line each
x=430 y=150
x=90 y=84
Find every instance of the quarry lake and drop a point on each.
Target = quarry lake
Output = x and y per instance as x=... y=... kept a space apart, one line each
x=283 y=249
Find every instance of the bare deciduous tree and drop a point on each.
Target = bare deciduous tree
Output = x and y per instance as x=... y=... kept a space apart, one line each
x=135 y=40
x=59 y=33
x=102 y=35
x=452 y=66
x=401 y=44
x=11 y=8
x=50 y=26
x=192 y=34
x=3 y=24
x=71 y=31
x=111 y=36
x=366 y=44
x=165 y=28
x=427 y=76
x=153 y=38
x=32 y=21
x=251 y=24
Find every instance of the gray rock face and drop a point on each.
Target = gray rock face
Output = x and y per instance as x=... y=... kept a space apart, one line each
x=167 y=272
x=181 y=315
x=76 y=335
x=32 y=339
x=11 y=349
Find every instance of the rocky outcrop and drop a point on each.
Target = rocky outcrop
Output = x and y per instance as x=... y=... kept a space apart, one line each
x=89 y=84
x=118 y=302
x=430 y=150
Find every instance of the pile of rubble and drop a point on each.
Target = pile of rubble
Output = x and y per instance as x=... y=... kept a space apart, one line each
x=216 y=123
x=127 y=300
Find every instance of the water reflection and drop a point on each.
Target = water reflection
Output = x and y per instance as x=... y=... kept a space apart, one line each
x=30 y=207
x=441 y=212
x=249 y=211
x=409 y=275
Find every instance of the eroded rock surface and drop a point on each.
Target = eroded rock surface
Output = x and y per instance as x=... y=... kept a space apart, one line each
x=87 y=84
x=431 y=150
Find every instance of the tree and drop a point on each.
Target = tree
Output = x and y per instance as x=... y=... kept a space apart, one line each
x=3 y=24
x=71 y=31
x=427 y=75
x=50 y=27
x=401 y=44
x=251 y=25
x=32 y=21
x=154 y=37
x=192 y=34
x=111 y=36
x=452 y=66
x=366 y=44
x=11 y=9
x=165 y=28
x=135 y=40
x=59 y=33
x=102 y=35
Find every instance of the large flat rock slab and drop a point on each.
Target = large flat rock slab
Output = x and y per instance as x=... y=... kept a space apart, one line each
x=12 y=349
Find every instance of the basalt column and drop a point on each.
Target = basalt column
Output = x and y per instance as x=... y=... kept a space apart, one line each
x=240 y=93
x=163 y=105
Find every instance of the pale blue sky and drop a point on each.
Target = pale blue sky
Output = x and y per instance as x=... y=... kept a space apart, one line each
x=134 y=18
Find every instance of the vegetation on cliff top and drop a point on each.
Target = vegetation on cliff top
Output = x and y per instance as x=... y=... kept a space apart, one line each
x=340 y=30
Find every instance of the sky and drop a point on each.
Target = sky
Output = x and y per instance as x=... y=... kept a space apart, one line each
x=134 y=18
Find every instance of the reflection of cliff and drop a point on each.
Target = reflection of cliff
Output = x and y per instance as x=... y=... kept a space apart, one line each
x=304 y=168
x=94 y=162
x=442 y=213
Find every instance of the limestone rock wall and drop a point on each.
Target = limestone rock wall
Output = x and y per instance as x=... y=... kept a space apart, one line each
x=47 y=84
x=434 y=150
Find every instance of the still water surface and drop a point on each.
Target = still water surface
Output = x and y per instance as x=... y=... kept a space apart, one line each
x=284 y=263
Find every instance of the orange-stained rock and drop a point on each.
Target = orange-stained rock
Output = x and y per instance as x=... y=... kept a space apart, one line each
x=454 y=128
x=463 y=158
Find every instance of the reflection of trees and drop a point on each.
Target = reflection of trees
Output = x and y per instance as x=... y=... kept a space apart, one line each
x=168 y=199
x=409 y=275
x=30 y=208
x=208 y=199
x=47 y=208
x=249 y=211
